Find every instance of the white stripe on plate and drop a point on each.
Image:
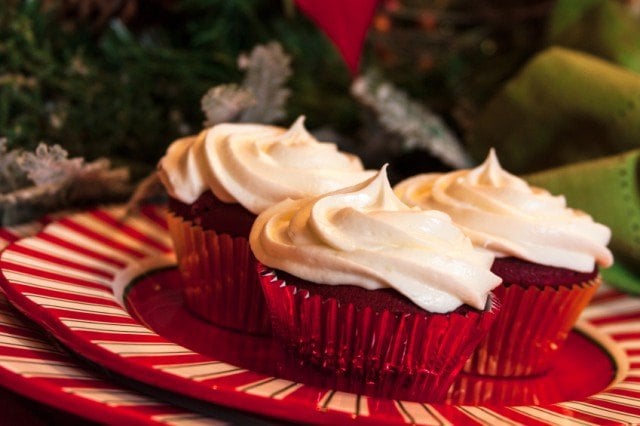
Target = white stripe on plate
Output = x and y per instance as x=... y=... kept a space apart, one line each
x=46 y=266
x=76 y=306
x=112 y=397
x=105 y=327
x=345 y=402
x=68 y=234
x=44 y=368
x=606 y=308
x=419 y=413
x=28 y=280
x=629 y=344
x=618 y=399
x=43 y=246
x=271 y=388
x=633 y=374
x=188 y=420
x=627 y=386
x=151 y=229
x=621 y=327
x=488 y=417
x=552 y=417
x=126 y=349
x=140 y=223
x=605 y=413
x=201 y=371
x=10 y=340
x=114 y=234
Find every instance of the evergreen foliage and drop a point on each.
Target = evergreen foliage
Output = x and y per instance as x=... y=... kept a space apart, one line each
x=126 y=91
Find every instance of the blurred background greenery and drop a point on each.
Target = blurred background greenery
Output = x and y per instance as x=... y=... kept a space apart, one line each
x=123 y=78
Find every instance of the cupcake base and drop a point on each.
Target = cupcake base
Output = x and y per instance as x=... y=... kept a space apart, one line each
x=534 y=321
x=217 y=267
x=408 y=353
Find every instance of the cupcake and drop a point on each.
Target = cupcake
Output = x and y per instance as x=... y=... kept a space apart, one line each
x=546 y=253
x=218 y=181
x=389 y=298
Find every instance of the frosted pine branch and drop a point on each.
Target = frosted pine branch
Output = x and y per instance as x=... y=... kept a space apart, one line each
x=49 y=165
x=267 y=68
x=34 y=183
x=262 y=96
x=12 y=176
x=418 y=127
x=224 y=103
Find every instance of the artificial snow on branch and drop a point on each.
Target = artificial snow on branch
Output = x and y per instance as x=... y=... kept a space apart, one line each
x=12 y=176
x=49 y=165
x=225 y=102
x=262 y=96
x=35 y=183
x=418 y=127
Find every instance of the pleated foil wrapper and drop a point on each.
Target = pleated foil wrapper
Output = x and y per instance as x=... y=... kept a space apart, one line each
x=219 y=277
x=531 y=327
x=411 y=356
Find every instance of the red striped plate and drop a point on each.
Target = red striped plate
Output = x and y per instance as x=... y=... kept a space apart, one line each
x=30 y=364
x=72 y=276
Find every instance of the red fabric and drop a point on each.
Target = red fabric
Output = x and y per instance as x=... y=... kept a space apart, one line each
x=346 y=22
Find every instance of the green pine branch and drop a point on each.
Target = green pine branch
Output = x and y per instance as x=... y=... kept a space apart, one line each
x=127 y=92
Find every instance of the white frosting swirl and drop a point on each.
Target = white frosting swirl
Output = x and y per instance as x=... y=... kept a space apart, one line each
x=502 y=213
x=256 y=165
x=365 y=236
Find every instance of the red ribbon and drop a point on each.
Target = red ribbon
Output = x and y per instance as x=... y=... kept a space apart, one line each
x=345 y=22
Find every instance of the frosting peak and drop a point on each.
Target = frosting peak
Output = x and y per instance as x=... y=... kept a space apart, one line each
x=490 y=173
x=297 y=133
x=502 y=213
x=364 y=235
x=256 y=165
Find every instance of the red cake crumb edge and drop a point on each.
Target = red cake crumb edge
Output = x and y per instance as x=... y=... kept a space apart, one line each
x=212 y=214
x=522 y=272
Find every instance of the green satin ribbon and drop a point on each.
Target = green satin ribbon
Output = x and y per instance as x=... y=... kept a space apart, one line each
x=603 y=28
x=563 y=106
x=608 y=189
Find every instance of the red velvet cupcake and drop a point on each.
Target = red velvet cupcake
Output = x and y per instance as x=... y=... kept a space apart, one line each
x=546 y=254
x=218 y=182
x=388 y=300
x=553 y=297
x=211 y=243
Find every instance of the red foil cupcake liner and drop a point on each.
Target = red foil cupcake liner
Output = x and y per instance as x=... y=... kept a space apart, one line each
x=385 y=354
x=531 y=327
x=218 y=273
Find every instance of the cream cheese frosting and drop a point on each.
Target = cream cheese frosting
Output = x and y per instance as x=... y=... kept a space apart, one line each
x=364 y=235
x=256 y=165
x=502 y=213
